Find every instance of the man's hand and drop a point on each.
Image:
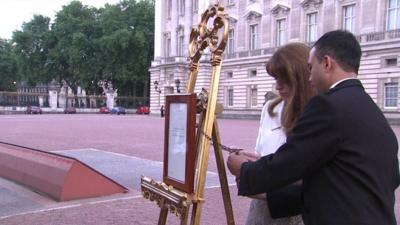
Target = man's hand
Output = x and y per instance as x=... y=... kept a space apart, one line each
x=235 y=161
x=251 y=155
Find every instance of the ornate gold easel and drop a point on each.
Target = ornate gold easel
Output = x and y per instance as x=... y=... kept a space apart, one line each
x=168 y=197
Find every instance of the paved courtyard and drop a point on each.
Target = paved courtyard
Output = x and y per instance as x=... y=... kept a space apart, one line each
x=123 y=148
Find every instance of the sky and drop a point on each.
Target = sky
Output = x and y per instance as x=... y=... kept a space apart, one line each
x=14 y=12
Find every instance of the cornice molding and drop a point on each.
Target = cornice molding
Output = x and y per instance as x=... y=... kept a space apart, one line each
x=280 y=9
x=254 y=11
x=250 y=15
x=309 y=3
x=232 y=19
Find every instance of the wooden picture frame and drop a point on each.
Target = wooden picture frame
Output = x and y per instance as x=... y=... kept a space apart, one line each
x=179 y=141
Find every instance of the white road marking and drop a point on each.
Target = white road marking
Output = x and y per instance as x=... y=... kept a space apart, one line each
x=112 y=199
x=116 y=199
x=41 y=210
x=89 y=203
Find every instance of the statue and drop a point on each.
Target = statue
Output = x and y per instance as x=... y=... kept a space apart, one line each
x=110 y=93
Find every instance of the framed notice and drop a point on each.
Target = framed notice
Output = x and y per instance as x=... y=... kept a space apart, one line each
x=179 y=141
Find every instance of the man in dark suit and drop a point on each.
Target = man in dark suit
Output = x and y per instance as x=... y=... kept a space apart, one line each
x=342 y=147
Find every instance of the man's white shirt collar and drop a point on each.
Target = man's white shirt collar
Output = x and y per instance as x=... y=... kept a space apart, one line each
x=340 y=81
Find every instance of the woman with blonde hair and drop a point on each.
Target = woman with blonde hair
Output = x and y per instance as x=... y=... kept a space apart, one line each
x=289 y=67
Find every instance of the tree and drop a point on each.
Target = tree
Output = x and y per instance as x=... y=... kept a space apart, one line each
x=8 y=67
x=74 y=57
x=31 y=50
x=127 y=45
x=86 y=45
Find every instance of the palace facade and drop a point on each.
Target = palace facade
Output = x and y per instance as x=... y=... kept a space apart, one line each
x=256 y=29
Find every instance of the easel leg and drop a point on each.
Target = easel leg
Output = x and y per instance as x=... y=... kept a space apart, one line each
x=222 y=175
x=196 y=210
x=197 y=206
x=162 y=220
x=184 y=219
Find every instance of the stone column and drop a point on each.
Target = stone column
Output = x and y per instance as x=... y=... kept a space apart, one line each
x=53 y=97
x=157 y=29
x=40 y=98
x=110 y=99
x=62 y=97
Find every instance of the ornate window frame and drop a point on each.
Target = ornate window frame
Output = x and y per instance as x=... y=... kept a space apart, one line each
x=309 y=7
x=169 y=9
x=232 y=26
x=180 y=40
x=341 y=4
x=397 y=26
x=280 y=12
x=167 y=44
x=252 y=99
x=230 y=97
x=383 y=82
x=181 y=6
x=253 y=18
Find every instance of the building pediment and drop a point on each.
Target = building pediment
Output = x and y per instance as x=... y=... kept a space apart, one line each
x=250 y=15
x=232 y=18
x=253 y=11
x=311 y=3
x=280 y=9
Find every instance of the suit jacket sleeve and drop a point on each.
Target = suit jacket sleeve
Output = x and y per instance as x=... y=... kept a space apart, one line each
x=312 y=143
x=285 y=202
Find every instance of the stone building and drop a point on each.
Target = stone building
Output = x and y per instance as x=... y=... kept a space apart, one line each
x=256 y=29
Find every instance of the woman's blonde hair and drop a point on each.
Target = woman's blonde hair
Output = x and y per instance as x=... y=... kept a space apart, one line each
x=289 y=64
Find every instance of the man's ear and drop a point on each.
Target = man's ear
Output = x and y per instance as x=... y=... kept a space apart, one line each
x=327 y=63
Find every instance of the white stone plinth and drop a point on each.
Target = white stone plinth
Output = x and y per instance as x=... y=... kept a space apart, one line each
x=53 y=96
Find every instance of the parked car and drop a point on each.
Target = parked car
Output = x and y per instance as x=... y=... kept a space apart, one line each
x=143 y=110
x=104 y=110
x=33 y=110
x=70 y=110
x=118 y=110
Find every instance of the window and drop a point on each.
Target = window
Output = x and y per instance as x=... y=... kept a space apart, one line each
x=253 y=36
x=393 y=17
x=390 y=62
x=230 y=97
x=349 y=18
x=180 y=42
x=169 y=8
x=171 y=79
x=311 y=27
x=229 y=75
x=253 y=73
x=280 y=32
x=167 y=45
x=181 y=7
x=231 y=41
x=253 y=97
x=181 y=45
x=391 y=94
x=195 y=5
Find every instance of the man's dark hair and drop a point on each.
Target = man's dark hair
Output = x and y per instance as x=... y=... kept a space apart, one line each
x=342 y=46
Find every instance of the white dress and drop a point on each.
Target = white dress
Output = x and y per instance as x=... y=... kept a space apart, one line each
x=270 y=137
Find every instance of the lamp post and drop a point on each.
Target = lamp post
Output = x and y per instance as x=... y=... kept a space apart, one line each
x=91 y=97
x=14 y=85
x=16 y=89
x=158 y=90
x=178 y=84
